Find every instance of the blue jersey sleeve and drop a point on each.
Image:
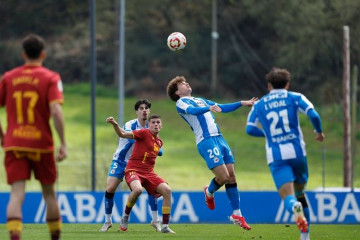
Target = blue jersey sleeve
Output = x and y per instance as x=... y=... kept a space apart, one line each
x=304 y=104
x=229 y=107
x=252 y=127
x=254 y=131
x=160 y=153
x=315 y=120
x=308 y=108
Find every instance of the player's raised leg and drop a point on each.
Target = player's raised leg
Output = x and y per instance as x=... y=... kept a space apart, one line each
x=300 y=196
x=293 y=206
x=209 y=193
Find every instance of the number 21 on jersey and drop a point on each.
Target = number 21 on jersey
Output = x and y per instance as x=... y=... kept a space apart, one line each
x=278 y=117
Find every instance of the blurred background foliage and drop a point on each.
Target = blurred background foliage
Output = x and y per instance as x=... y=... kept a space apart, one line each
x=303 y=36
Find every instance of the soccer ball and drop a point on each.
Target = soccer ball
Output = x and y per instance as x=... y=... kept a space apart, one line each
x=176 y=41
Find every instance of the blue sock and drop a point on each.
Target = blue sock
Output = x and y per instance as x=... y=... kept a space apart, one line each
x=152 y=203
x=289 y=202
x=307 y=216
x=109 y=202
x=233 y=195
x=305 y=209
x=213 y=186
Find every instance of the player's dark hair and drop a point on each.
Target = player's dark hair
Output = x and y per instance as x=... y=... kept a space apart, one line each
x=142 y=101
x=172 y=87
x=33 y=45
x=153 y=116
x=278 y=78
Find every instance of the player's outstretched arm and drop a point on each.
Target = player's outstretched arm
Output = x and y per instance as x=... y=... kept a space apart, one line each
x=229 y=107
x=215 y=108
x=250 y=102
x=119 y=131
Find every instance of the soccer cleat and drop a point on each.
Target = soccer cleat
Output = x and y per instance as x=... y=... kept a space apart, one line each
x=210 y=201
x=300 y=218
x=239 y=221
x=167 y=230
x=156 y=225
x=124 y=223
x=106 y=226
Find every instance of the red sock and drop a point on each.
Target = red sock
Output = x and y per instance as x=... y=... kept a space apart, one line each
x=54 y=226
x=166 y=218
x=127 y=210
x=14 y=236
x=55 y=235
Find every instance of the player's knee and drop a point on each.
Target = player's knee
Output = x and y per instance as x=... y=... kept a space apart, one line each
x=110 y=188
x=167 y=191
x=137 y=190
x=223 y=180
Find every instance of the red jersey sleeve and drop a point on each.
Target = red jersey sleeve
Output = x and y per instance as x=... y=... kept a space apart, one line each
x=55 y=93
x=138 y=134
x=2 y=91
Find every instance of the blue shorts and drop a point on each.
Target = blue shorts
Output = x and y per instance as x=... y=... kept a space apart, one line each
x=117 y=169
x=292 y=170
x=215 y=151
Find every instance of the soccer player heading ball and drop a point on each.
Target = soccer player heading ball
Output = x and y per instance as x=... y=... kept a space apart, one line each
x=198 y=113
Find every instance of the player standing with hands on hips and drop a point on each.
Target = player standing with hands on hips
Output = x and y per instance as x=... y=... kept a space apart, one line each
x=278 y=112
x=31 y=94
x=198 y=113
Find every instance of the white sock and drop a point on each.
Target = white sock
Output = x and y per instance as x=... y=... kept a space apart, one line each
x=209 y=194
x=304 y=236
x=108 y=217
x=237 y=212
x=154 y=215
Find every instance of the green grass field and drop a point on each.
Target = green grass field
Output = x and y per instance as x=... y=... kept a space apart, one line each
x=190 y=231
x=181 y=166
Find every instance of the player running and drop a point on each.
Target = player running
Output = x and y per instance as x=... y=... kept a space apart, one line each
x=278 y=112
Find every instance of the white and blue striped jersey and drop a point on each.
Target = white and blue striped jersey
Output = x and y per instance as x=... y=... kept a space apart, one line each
x=125 y=146
x=202 y=122
x=278 y=113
